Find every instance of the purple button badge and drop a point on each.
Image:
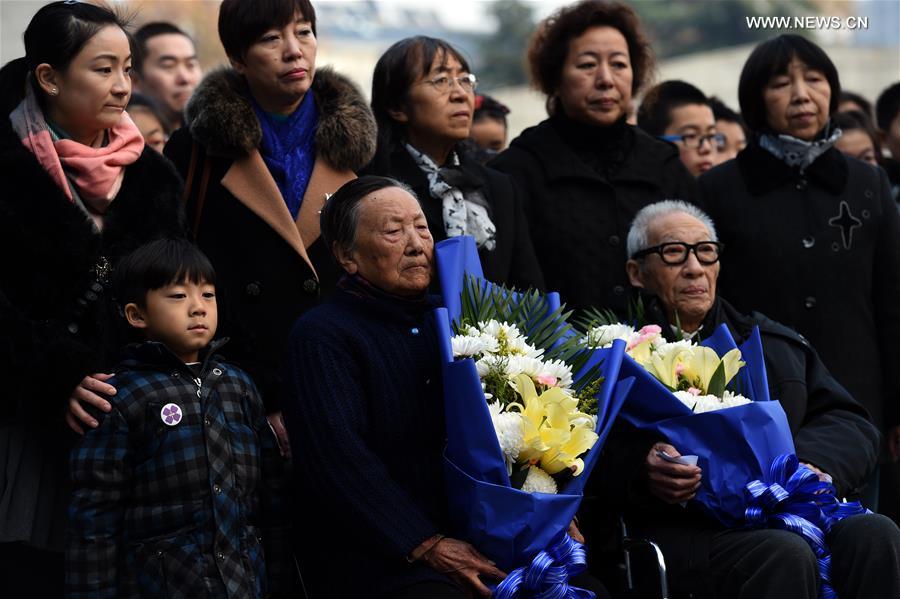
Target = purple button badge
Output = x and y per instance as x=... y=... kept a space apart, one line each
x=170 y=414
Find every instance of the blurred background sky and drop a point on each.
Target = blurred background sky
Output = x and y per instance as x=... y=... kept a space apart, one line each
x=704 y=42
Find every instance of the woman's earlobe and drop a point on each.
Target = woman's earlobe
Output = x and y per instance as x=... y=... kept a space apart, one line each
x=399 y=115
x=46 y=78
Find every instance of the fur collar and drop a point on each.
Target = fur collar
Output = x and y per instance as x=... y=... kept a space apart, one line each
x=220 y=117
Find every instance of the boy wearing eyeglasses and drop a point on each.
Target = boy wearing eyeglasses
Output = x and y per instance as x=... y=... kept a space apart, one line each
x=678 y=112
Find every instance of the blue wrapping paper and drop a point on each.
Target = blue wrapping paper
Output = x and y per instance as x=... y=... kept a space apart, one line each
x=508 y=525
x=735 y=445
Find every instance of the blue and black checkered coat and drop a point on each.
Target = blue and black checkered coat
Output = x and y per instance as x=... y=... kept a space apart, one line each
x=177 y=509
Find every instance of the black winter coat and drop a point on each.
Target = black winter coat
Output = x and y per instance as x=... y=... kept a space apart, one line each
x=513 y=261
x=270 y=269
x=821 y=254
x=831 y=431
x=579 y=213
x=57 y=320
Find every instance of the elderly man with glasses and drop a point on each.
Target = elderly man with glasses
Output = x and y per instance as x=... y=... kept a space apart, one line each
x=674 y=260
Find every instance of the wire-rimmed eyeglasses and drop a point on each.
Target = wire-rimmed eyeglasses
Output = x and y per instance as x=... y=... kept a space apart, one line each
x=443 y=83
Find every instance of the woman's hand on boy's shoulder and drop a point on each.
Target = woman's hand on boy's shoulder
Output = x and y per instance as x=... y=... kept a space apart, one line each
x=276 y=423
x=87 y=393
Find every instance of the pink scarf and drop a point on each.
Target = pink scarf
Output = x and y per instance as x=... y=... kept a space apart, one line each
x=96 y=173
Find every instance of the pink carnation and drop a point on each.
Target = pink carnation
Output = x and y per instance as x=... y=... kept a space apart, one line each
x=548 y=380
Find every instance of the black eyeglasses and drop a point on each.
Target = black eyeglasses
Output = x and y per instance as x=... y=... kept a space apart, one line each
x=443 y=83
x=692 y=141
x=676 y=252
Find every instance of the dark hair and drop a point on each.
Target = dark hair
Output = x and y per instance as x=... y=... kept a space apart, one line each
x=864 y=104
x=854 y=120
x=139 y=101
x=340 y=215
x=241 y=22
x=771 y=58
x=395 y=72
x=487 y=107
x=550 y=43
x=655 y=113
x=157 y=264
x=887 y=107
x=56 y=34
x=148 y=31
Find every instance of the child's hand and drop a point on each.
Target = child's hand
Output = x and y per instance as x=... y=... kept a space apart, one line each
x=86 y=392
x=276 y=423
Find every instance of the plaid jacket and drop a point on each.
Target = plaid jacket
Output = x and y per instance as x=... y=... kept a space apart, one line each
x=177 y=487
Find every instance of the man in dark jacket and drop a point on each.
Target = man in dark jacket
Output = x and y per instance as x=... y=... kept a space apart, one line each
x=675 y=259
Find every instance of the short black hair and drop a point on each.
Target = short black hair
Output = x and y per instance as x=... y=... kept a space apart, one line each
x=859 y=100
x=772 y=58
x=394 y=74
x=157 y=264
x=340 y=215
x=148 y=31
x=655 y=113
x=241 y=22
x=487 y=107
x=887 y=106
x=722 y=112
x=139 y=101
x=854 y=120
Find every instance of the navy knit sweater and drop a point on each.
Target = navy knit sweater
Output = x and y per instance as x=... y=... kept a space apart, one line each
x=366 y=423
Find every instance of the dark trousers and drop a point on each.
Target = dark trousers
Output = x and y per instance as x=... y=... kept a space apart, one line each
x=26 y=572
x=775 y=564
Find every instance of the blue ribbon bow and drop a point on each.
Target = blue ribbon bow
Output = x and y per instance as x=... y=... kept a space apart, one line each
x=548 y=575
x=794 y=499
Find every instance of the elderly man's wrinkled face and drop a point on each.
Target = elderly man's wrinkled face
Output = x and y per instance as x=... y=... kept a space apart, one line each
x=687 y=289
x=394 y=247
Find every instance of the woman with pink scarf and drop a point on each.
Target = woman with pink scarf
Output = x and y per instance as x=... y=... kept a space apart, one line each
x=78 y=190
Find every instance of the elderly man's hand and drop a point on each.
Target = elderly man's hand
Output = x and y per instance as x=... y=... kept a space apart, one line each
x=673 y=483
x=462 y=562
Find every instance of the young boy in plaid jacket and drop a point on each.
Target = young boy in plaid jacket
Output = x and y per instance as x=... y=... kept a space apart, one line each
x=179 y=490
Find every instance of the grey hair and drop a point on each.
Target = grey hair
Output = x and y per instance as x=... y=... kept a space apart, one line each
x=638 y=233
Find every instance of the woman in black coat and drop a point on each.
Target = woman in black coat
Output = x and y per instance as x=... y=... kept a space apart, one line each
x=813 y=236
x=423 y=98
x=585 y=172
x=78 y=190
x=263 y=145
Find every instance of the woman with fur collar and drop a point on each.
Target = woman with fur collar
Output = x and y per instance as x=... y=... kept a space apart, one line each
x=78 y=190
x=264 y=143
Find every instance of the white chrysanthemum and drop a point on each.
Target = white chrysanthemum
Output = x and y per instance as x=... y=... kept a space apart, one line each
x=710 y=403
x=560 y=370
x=466 y=346
x=668 y=347
x=603 y=336
x=496 y=329
x=539 y=481
x=487 y=363
x=510 y=431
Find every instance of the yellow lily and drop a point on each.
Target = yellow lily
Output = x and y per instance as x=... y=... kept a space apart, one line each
x=549 y=434
x=664 y=366
x=701 y=364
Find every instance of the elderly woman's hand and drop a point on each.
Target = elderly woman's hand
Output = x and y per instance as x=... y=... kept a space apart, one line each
x=463 y=563
x=86 y=392
x=671 y=482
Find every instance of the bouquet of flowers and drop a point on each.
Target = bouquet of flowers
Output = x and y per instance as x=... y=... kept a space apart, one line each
x=527 y=409
x=712 y=400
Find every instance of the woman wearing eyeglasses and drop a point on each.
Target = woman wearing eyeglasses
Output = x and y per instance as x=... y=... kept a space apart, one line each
x=585 y=170
x=423 y=98
x=813 y=235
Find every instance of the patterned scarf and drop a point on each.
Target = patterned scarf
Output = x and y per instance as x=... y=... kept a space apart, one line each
x=90 y=177
x=466 y=211
x=289 y=149
x=797 y=152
